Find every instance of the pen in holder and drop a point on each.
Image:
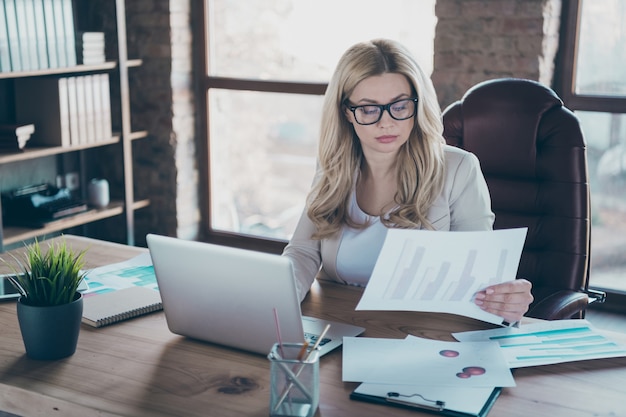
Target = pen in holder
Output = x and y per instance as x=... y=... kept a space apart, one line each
x=294 y=380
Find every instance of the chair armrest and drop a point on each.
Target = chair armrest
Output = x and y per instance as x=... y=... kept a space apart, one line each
x=560 y=305
x=596 y=296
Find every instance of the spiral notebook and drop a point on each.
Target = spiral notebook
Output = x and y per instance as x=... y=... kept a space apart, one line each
x=112 y=307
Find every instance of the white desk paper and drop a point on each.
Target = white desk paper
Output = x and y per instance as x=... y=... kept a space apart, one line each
x=418 y=361
x=421 y=270
x=549 y=342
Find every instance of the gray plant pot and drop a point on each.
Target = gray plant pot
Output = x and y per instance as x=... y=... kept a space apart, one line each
x=50 y=332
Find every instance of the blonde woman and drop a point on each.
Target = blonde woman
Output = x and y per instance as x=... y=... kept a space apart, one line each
x=383 y=163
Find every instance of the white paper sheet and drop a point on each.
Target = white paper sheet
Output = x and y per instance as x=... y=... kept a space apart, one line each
x=548 y=342
x=418 y=361
x=421 y=270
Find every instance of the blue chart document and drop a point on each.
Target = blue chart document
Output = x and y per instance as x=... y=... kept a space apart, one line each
x=137 y=271
x=550 y=342
x=420 y=270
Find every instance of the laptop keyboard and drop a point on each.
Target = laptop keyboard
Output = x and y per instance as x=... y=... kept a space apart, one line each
x=312 y=339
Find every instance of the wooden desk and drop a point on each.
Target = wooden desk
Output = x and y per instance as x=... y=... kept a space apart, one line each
x=139 y=368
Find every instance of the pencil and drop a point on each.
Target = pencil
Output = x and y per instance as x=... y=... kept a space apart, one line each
x=315 y=346
x=318 y=341
x=280 y=340
x=302 y=350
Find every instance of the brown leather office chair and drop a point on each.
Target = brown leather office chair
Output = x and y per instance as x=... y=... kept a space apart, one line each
x=533 y=155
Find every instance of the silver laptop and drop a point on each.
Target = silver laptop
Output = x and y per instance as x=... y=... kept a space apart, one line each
x=230 y=296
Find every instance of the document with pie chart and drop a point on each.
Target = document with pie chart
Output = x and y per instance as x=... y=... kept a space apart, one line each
x=423 y=270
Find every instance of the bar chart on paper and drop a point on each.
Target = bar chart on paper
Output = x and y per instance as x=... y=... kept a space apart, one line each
x=550 y=342
x=420 y=270
x=416 y=278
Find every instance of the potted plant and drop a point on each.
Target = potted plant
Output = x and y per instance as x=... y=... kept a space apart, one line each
x=50 y=308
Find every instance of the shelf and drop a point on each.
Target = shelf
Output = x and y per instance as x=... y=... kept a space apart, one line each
x=138 y=135
x=141 y=204
x=105 y=66
x=19 y=234
x=41 y=151
x=115 y=161
x=133 y=63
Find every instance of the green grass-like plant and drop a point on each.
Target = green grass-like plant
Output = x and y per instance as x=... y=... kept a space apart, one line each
x=48 y=279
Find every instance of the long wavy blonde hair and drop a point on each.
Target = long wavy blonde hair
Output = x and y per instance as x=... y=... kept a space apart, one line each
x=420 y=165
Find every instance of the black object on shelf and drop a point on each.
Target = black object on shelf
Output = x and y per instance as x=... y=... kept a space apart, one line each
x=36 y=205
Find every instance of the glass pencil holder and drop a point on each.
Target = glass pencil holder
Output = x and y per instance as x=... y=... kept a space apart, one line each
x=294 y=380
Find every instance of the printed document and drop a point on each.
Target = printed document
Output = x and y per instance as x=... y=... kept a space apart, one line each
x=418 y=361
x=137 y=271
x=422 y=270
x=549 y=342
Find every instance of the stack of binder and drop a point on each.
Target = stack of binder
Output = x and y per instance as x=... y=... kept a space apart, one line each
x=66 y=111
x=36 y=35
x=90 y=48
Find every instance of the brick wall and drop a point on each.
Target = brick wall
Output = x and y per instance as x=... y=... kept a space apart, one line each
x=478 y=40
x=162 y=102
x=475 y=40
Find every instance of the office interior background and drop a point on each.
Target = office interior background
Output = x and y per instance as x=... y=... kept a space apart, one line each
x=230 y=93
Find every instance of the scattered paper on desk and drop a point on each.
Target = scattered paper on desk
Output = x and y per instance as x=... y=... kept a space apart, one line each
x=548 y=342
x=137 y=271
x=418 y=361
x=422 y=270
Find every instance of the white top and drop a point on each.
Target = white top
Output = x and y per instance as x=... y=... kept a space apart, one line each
x=359 y=248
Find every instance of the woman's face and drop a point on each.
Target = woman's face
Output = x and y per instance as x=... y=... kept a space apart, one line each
x=388 y=134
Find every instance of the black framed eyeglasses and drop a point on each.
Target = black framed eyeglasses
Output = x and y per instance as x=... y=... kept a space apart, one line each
x=372 y=113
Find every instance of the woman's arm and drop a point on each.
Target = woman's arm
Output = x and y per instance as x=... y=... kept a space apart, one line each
x=304 y=253
x=470 y=203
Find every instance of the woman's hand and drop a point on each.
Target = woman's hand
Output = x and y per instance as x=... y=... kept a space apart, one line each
x=509 y=300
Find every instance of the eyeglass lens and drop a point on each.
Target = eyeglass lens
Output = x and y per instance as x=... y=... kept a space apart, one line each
x=370 y=114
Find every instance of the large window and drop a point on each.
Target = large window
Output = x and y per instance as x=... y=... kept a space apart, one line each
x=267 y=65
x=594 y=86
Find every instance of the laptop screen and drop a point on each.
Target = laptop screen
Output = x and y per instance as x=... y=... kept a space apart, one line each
x=226 y=295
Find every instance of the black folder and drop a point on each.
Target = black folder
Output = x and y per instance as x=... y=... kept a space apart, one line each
x=409 y=397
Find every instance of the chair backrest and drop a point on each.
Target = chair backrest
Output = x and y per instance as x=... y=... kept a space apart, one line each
x=533 y=155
